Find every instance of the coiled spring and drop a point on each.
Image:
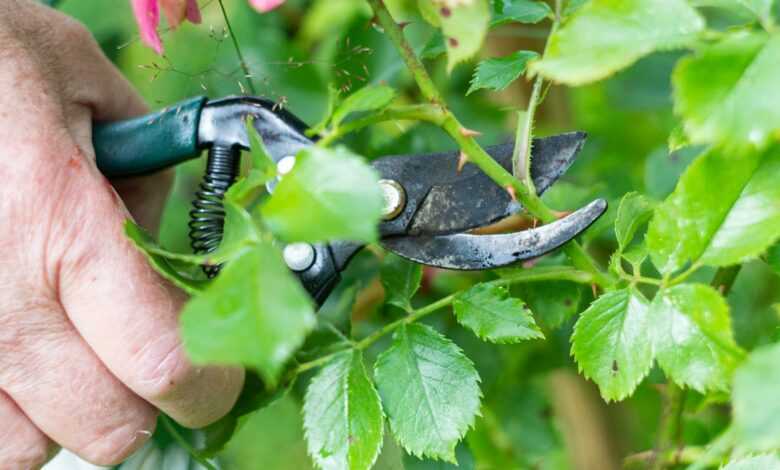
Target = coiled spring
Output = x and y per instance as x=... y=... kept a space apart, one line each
x=207 y=217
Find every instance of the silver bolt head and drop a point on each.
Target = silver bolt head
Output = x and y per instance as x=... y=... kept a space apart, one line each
x=394 y=198
x=299 y=256
x=285 y=165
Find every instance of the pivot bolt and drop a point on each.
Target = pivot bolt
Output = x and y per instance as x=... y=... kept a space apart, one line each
x=394 y=198
x=299 y=256
x=285 y=165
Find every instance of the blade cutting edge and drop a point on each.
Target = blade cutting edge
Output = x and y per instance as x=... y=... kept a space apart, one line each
x=471 y=252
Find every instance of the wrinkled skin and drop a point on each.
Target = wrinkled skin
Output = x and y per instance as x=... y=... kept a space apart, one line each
x=89 y=347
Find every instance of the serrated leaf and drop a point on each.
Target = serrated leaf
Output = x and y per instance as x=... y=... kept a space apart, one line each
x=342 y=415
x=611 y=343
x=773 y=257
x=261 y=159
x=604 y=36
x=757 y=462
x=330 y=194
x=552 y=302
x=725 y=93
x=496 y=74
x=429 y=389
x=489 y=311
x=757 y=418
x=692 y=336
x=368 y=98
x=255 y=313
x=401 y=278
x=171 y=269
x=725 y=210
x=520 y=11
x=634 y=211
x=239 y=233
x=464 y=25
x=761 y=8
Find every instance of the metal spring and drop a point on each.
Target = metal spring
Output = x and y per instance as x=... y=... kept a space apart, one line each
x=207 y=217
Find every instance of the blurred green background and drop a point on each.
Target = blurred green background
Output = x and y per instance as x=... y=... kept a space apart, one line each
x=537 y=412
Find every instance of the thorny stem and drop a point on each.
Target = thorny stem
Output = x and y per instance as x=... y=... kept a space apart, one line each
x=417 y=112
x=473 y=151
x=244 y=66
x=166 y=421
x=521 y=159
x=563 y=273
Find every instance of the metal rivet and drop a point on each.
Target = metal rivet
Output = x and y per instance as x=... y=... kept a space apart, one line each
x=299 y=256
x=285 y=165
x=394 y=198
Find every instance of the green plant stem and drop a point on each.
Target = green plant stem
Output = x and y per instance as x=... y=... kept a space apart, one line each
x=521 y=158
x=685 y=455
x=561 y=273
x=670 y=429
x=473 y=151
x=242 y=62
x=166 y=421
x=416 y=112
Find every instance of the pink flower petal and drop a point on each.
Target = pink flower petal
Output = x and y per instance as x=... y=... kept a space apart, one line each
x=193 y=12
x=147 y=14
x=265 y=5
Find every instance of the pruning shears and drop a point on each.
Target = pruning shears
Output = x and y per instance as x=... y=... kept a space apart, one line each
x=430 y=205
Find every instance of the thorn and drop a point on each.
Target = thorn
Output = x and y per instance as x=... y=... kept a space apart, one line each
x=511 y=190
x=466 y=132
x=594 y=289
x=403 y=24
x=462 y=160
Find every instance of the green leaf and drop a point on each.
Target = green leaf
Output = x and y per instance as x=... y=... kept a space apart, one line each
x=239 y=233
x=552 y=302
x=464 y=25
x=692 y=336
x=401 y=278
x=261 y=159
x=171 y=269
x=465 y=461
x=726 y=92
x=773 y=257
x=342 y=415
x=255 y=313
x=756 y=415
x=634 y=211
x=758 y=462
x=520 y=11
x=724 y=211
x=611 y=342
x=605 y=36
x=430 y=391
x=330 y=194
x=761 y=8
x=368 y=98
x=496 y=74
x=488 y=311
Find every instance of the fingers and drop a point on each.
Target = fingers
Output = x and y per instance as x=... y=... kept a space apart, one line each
x=129 y=315
x=22 y=445
x=64 y=390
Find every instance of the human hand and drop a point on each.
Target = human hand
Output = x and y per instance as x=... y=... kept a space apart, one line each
x=89 y=343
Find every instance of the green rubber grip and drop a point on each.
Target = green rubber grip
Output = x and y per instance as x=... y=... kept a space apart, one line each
x=148 y=143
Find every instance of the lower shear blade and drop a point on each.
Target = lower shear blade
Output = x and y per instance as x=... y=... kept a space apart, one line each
x=470 y=252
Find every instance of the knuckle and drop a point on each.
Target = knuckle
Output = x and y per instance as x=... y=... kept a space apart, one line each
x=112 y=445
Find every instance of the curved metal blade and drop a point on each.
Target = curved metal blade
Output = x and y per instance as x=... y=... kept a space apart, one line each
x=470 y=252
x=440 y=200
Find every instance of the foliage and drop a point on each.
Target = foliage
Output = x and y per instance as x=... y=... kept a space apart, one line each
x=666 y=304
